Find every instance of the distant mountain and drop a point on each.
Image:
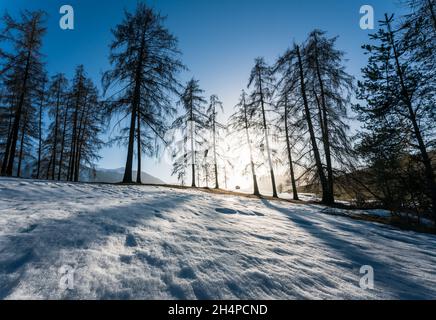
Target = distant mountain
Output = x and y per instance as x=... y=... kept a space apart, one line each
x=114 y=176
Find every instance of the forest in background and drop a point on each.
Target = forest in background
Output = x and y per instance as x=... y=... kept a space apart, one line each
x=293 y=113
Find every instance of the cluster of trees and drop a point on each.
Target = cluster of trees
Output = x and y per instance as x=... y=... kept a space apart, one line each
x=399 y=115
x=300 y=101
x=53 y=126
x=200 y=131
x=28 y=98
x=295 y=114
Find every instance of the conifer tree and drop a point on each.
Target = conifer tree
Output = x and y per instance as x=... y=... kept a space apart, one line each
x=193 y=120
x=57 y=100
x=294 y=68
x=240 y=123
x=262 y=81
x=397 y=89
x=214 y=106
x=145 y=62
x=25 y=68
x=331 y=93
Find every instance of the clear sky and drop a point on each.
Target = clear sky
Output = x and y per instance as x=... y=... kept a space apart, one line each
x=219 y=40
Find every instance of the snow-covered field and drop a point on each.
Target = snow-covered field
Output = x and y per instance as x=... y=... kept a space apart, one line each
x=160 y=243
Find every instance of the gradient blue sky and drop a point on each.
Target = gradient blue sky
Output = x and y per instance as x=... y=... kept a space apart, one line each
x=219 y=40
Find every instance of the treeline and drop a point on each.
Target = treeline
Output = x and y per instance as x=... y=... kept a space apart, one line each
x=28 y=97
x=51 y=126
x=399 y=115
x=300 y=102
x=294 y=113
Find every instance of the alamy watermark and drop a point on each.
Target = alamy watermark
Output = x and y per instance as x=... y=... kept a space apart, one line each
x=66 y=281
x=367 y=20
x=367 y=280
x=67 y=20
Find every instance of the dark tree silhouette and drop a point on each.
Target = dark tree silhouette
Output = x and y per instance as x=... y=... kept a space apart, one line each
x=293 y=67
x=5 y=120
x=332 y=87
x=83 y=118
x=396 y=88
x=41 y=111
x=65 y=115
x=285 y=106
x=145 y=62
x=193 y=120
x=212 y=111
x=25 y=66
x=262 y=81
x=57 y=99
x=240 y=122
x=27 y=135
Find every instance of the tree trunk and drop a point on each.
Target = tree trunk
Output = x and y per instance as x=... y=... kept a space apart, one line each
x=135 y=106
x=193 y=176
x=55 y=142
x=61 y=159
x=185 y=160
x=78 y=161
x=138 y=174
x=74 y=136
x=20 y=157
x=253 y=171
x=265 y=129
x=198 y=171
x=321 y=174
x=7 y=151
x=8 y=141
x=192 y=147
x=72 y=159
x=79 y=141
x=77 y=165
x=214 y=152
x=39 y=140
x=325 y=132
x=216 y=176
x=6 y=155
x=288 y=147
x=129 y=162
x=417 y=131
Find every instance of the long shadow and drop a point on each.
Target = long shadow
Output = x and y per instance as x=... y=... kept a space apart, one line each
x=386 y=276
x=45 y=239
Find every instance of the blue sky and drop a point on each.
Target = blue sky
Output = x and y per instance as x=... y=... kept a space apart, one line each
x=219 y=39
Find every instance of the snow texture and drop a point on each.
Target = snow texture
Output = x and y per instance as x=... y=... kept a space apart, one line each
x=137 y=242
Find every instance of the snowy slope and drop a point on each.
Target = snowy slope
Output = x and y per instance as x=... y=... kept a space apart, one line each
x=152 y=242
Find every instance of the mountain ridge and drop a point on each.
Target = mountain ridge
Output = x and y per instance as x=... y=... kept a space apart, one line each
x=116 y=175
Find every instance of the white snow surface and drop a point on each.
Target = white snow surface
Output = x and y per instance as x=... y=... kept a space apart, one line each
x=138 y=242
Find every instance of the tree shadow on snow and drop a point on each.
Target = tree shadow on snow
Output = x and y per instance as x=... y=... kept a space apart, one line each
x=392 y=279
x=47 y=239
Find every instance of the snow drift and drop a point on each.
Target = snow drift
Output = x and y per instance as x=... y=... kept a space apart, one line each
x=136 y=242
